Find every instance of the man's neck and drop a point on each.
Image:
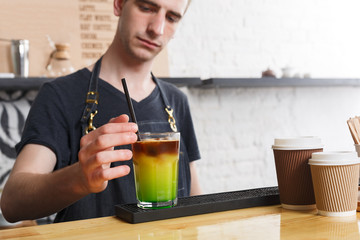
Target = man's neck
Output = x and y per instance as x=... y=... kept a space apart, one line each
x=137 y=75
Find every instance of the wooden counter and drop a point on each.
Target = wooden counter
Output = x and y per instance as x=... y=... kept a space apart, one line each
x=270 y=222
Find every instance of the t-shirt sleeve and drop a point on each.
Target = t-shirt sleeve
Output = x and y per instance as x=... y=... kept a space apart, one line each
x=46 y=124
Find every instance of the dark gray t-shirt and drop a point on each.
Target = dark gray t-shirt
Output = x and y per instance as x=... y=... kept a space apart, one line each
x=54 y=121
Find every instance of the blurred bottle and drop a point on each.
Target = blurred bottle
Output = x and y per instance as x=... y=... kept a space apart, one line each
x=59 y=63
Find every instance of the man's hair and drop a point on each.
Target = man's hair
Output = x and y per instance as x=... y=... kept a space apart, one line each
x=187 y=6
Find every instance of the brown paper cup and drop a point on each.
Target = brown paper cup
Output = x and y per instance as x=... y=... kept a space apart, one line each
x=291 y=156
x=294 y=178
x=335 y=185
x=336 y=189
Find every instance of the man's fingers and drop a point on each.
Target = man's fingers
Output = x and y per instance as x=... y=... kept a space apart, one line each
x=104 y=142
x=93 y=144
x=107 y=157
x=116 y=128
x=98 y=180
x=97 y=152
x=102 y=175
x=109 y=128
x=116 y=172
x=120 y=119
x=97 y=169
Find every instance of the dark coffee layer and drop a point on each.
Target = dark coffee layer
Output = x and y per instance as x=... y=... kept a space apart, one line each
x=153 y=148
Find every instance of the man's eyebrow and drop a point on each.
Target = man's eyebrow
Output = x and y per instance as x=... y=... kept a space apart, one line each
x=148 y=2
x=178 y=15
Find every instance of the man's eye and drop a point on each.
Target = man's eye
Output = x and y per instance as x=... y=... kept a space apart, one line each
x=172 y=18
x=145 y=8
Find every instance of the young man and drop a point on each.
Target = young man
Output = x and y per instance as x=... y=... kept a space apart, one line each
x=61 y=169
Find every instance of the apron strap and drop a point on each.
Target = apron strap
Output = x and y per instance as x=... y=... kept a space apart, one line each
x=92 y=100
x=168 y=109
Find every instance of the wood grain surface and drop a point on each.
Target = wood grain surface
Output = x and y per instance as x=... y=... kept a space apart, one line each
x=271 y=222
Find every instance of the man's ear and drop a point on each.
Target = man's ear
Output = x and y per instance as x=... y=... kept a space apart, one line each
x=118 y=6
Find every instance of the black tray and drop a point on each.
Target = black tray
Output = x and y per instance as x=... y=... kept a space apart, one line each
x=201 y=204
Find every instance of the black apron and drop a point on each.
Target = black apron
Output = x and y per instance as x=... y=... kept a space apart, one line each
x=90 y=111
x=92 y=99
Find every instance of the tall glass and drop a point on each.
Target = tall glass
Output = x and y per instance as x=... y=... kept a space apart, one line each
x=156 y=164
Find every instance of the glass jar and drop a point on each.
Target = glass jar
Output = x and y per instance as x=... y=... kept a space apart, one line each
x=59 y=62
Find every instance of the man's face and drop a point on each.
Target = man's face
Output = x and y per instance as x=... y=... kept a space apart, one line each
x=146 y=26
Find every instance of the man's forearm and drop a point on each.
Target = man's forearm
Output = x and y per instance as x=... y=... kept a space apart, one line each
x=32 y=196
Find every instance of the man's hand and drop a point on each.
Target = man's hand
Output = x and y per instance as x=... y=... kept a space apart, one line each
x=97 y=153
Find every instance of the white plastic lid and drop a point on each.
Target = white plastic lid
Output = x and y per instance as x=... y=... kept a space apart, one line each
x=334 y=158
x=297 y=143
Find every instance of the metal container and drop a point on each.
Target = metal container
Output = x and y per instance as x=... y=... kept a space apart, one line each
x=20 y=57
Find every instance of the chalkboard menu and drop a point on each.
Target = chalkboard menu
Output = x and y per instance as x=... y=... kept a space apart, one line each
x=87 y=25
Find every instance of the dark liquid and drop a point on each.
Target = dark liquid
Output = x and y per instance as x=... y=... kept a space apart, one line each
x=156 y=147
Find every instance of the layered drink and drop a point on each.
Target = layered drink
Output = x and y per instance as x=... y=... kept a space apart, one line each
x=156 y=161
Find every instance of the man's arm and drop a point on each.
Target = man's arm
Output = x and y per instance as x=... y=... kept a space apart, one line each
x=34 y=190
x=195 y=185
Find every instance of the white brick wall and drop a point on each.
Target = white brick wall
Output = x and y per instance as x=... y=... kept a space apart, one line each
x=236 y=128
x=241 y=38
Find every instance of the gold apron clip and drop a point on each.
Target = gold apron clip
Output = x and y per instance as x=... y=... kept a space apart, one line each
x=171 y=119
x=91 y=127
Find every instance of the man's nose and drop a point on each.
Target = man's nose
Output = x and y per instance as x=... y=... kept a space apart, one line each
x=157 y=25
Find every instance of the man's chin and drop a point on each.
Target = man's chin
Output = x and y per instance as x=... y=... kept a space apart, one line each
x=146 y=56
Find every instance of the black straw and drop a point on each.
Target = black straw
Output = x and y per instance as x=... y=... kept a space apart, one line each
x=131 y=108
